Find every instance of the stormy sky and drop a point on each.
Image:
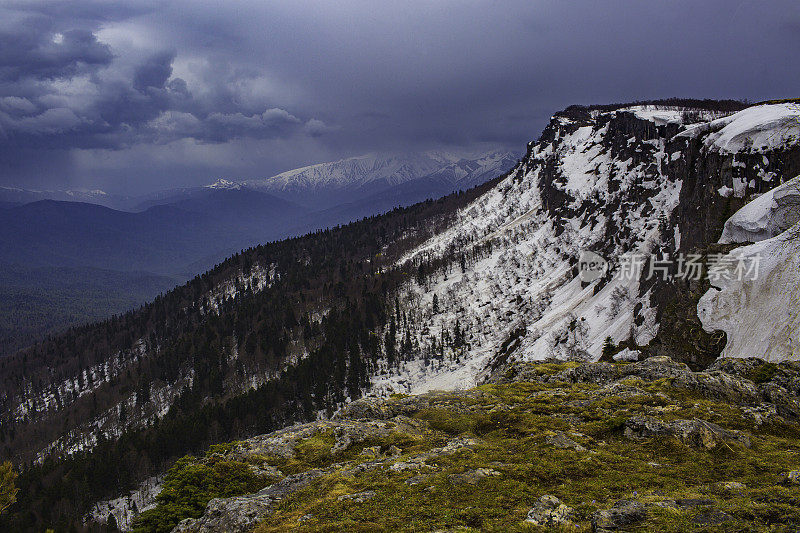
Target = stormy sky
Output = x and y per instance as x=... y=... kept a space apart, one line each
x=136 y=96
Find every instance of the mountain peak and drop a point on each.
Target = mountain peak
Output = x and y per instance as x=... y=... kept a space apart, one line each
x=222 y=183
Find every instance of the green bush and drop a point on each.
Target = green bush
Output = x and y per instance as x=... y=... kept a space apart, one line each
x=8 y=489
x=190 y=485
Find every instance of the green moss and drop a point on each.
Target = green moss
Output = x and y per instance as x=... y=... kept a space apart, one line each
x=513 y=426
x=764 y=372
x=548 y=369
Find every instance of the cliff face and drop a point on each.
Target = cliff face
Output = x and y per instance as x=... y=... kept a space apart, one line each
x=635 y=185
x=761 y=150
x=591 y=446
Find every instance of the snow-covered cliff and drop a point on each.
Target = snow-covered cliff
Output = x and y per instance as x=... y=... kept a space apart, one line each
x=609 y=182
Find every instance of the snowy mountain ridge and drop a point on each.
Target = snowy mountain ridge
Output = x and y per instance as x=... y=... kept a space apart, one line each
x=607 y=182
x=390 y=169
x=224 y=184
x=19 y=195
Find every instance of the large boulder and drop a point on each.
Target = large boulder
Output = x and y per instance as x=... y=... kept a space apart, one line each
x=691 y=432
x=548 y=511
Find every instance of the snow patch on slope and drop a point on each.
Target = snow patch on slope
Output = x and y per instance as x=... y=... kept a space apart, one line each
x=759 y=316
x=755 y=129
x=125 y=508
x=765 y=217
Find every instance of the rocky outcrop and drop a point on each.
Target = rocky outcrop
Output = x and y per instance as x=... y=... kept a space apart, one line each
x=548 y=511
x=626 y=435
x=691 y=432
x=371 y=407
x=347 y=433
x=742 y=382
x=241 y=514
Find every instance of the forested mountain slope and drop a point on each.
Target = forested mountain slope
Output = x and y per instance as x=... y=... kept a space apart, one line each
x=36 y=302
x=270 y=336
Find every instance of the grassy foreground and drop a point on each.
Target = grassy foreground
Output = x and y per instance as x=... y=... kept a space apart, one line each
x=480 y=460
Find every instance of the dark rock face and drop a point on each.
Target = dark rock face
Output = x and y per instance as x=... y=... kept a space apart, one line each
x=624 y=514
x=700 y=218
x=702 y=210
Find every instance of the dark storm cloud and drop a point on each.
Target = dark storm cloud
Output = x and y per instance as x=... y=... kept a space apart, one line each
x=153 y=73
x=122 y=94
x=30 y=51
x=61 y=88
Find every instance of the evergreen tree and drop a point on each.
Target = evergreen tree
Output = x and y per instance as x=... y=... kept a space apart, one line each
x=609 y=349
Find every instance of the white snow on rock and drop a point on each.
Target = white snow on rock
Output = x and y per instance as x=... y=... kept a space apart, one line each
x=659 y=114
x=518 y=290
x=127 y=507
x=225 y=184
x=759 y=316
x=765 y=217
x=755 y=129
x=759 y=310
x=662 y=114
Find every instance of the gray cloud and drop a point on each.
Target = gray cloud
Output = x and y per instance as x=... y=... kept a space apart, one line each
x=153 y=73
x=33 y=50
x=130 y=96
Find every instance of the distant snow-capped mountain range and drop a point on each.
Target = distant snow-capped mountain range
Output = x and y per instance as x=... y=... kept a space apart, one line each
x=17 y=196
x=181 y=232
x=370 y=174
x=324 y=185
